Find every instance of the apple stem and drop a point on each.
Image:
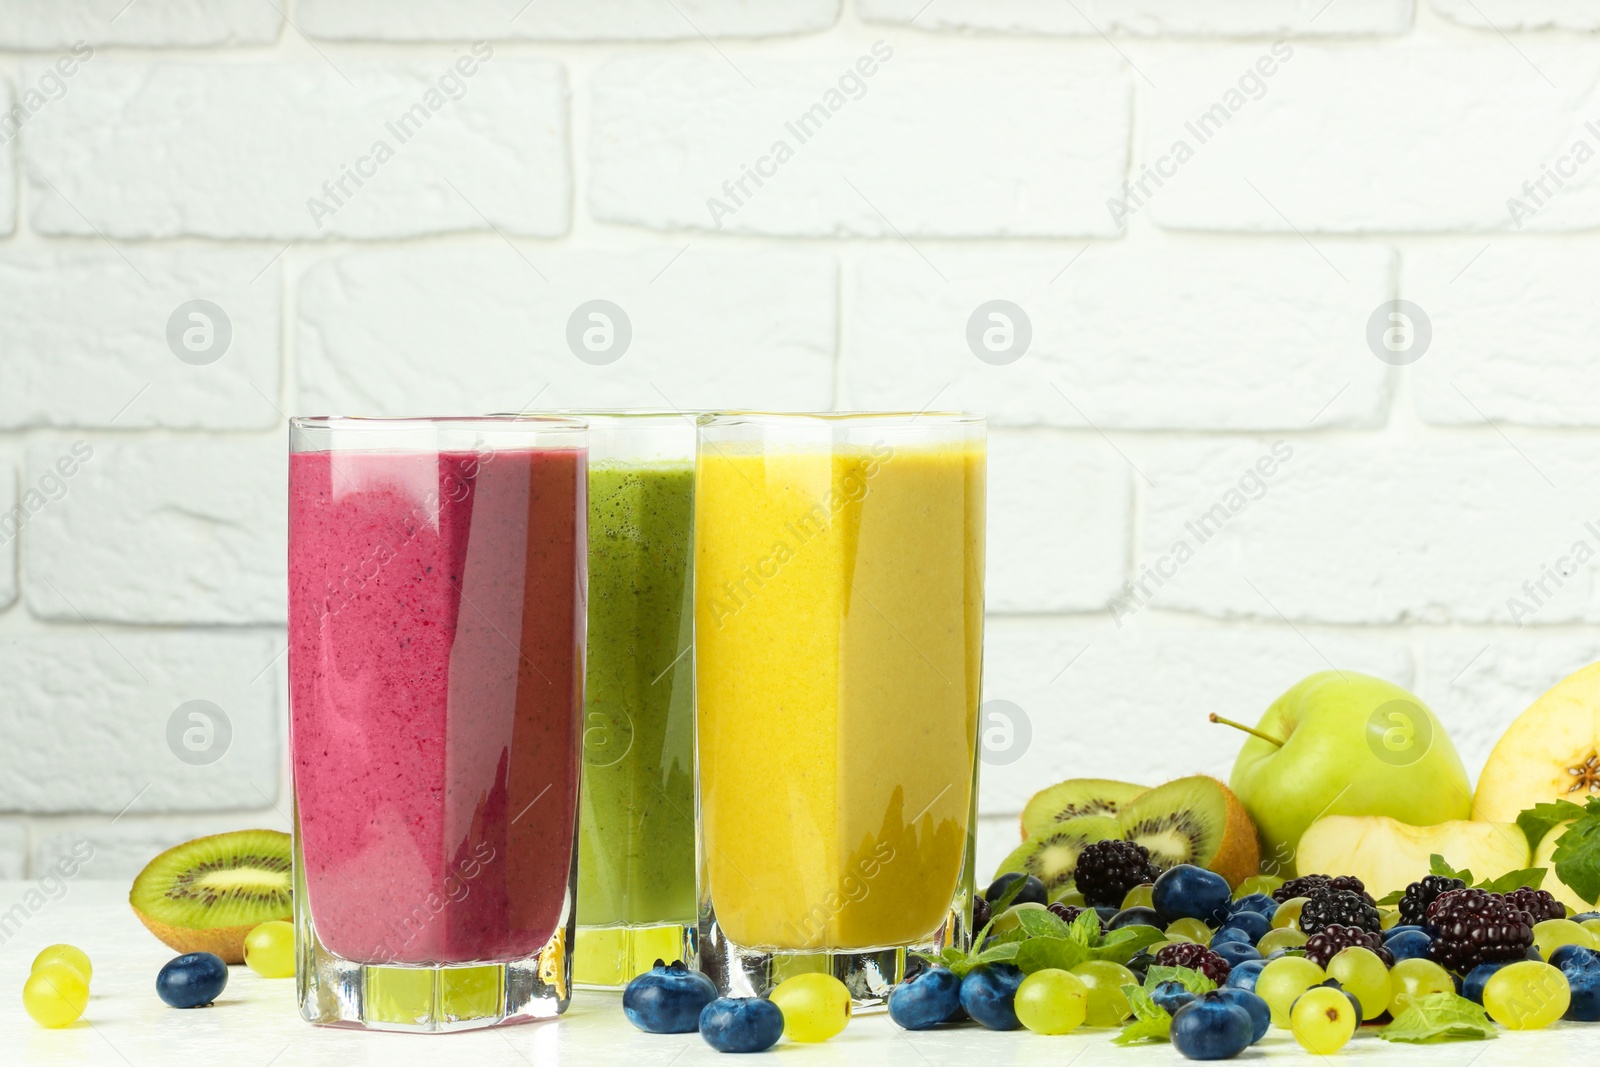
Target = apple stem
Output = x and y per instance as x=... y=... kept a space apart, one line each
x=1252 y=731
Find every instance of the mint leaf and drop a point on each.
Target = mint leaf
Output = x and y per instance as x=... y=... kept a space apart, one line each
x=1039 y=953
x=1437 y=865
x=1151 y=1021
x=1038 y=922
x=1190 y=979
x=1577 y=855
x=1393 y=898
x=1439 y=1017
x=1001 y=953
x=1085 y=928
x=1539 y=820
x=1120 y=946
x=1525 y=879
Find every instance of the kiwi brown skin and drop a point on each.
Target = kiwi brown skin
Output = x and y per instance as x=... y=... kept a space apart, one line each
x=175 y=879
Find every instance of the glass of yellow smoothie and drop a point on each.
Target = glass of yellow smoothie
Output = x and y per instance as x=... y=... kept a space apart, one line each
x=838 y=640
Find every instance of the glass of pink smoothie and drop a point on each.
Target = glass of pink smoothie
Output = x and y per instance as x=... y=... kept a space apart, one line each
x=437 y=576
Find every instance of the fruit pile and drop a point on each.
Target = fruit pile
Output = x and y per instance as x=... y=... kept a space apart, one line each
x=1211 y=969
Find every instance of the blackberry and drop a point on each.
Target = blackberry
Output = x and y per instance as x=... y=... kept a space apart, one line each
x=1339 y=907
x=1067 y=913
x=1106 y=870
x=1473 y=926
x=1537 y=904
x=1331 y=940
x=1414 y=905
x=1308 y=884
x=1196 y=958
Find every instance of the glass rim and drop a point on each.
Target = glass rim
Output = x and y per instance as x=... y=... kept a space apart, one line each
x=941 y=418
x=551 y=423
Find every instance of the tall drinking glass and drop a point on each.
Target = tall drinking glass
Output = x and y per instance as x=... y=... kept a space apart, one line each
x=636 y=898
x=838 y=643
x=436 y=628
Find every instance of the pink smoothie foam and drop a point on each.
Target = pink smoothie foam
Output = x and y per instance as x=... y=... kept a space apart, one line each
x=435 y=667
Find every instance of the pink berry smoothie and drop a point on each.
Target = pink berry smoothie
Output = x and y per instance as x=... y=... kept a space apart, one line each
x=436 y=632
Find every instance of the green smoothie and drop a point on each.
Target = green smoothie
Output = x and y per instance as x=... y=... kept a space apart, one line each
x=636 y=825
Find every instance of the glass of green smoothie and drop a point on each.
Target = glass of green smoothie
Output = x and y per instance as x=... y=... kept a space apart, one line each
x=636 y=867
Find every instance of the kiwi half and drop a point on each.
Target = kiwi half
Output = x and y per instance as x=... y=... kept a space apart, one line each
x=1194 y=820
x=1075 y=797
x=1052 y=856
x=207 y=894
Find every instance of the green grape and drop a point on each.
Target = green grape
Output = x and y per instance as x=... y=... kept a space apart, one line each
x=1416 y=978
x=1190 y=930
x=1140 y=896
x=1593 y=926
x=1364 y=977
x=269 y=949
x=71 y=955
x=815 y=1006
x=1287 y=917
x=55 y=994
x=1257 y=883
x=1281 y=982
x=1107 y=1004
x=1323 y=1021
x=1068 y=894
x=1052 y=1001
x=1273 y=940
x=1553 y=933
x=1388 y=918
x=1527 y=995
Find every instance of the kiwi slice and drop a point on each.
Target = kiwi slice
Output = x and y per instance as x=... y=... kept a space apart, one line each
x=1075 y=797
x=207 y=894
x=1194 y=820
x=1052 y=856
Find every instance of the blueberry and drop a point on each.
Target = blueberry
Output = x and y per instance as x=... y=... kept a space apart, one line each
x=1251 y=923
x=926 y=1000
x=1031 y=893
x=1582 y=968
x=1244 y=975
x=1170 y=996
x=1472 y=985
x=1106 y=913
x=1232 y=933
x=1190 y=892
x=1411 y=945
x=668 y=999
x=741 y=1024
x=1212 y=1028
x=1236 y=952
x=1534 y=954
x=1134 y=917
x=192 y=980
x=1403 y=928
x=1259 y=903
x=1260 y=1011
x=1582 y=916
x=1141 y=963
x=989 y=994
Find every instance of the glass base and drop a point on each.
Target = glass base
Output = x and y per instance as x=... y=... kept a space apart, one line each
x=609 y=957
x=870 y=974
x=333 y=991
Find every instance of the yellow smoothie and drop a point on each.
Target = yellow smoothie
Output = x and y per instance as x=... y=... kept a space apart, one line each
x=838 y=645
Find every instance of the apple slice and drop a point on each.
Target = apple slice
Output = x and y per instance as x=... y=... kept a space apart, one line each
x=1389 y=855
x=1551 y=752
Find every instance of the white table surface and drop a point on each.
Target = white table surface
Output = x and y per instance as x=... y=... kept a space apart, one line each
x=254 y=1023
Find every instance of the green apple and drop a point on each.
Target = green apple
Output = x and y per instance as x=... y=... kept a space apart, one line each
x=1342 y=743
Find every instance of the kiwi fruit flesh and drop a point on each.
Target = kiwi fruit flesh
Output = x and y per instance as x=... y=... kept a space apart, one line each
x=205 y=895
x=1194 y=820
x=1076 y=797
x=1052 y=856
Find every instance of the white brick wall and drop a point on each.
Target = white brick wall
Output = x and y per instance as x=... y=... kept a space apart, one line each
x=1201 y=224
